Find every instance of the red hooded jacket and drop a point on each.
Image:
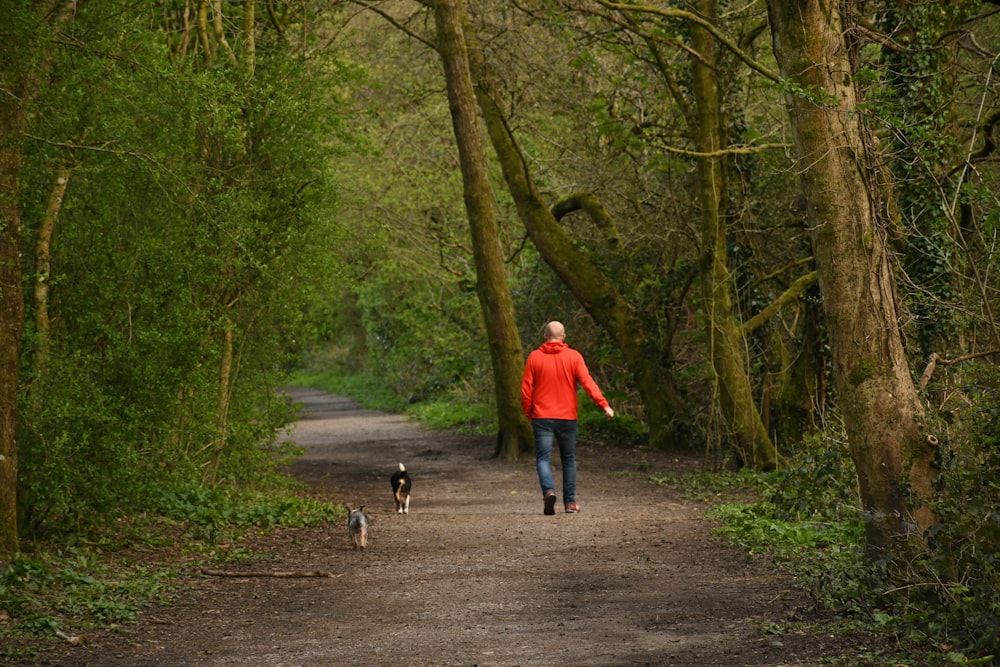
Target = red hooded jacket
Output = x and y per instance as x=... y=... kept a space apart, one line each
x=551 y=376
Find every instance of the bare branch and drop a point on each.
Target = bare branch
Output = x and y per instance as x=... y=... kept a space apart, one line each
x=935 y=360
x=694 y=18
x=731 y=150
x=374 y=8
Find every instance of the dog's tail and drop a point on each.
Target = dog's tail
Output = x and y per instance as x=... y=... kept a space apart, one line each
x=402 y=468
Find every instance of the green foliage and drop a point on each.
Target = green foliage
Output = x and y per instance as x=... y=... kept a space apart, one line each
x=199 y=212
x=455 y=414
x=808 y=544
x=214 y=516
x=943 y=605
x=206 y=202
x=820 y=483
x=112 y=578
x=813 y=95
x=912 y=95
x=47 y=593
x=622 y=431
x=707 y=485
x=952 y=594
x=422 y=349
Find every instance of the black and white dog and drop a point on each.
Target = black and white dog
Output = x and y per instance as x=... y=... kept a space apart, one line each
x=401 y=486
x=358 y=526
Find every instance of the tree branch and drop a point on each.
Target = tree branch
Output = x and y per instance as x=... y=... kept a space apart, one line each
x=793 y=292
x=730 y=150
x=781 y=270
x=934 y=360
x=374 y=8
x=694 y=18
x=592 y=206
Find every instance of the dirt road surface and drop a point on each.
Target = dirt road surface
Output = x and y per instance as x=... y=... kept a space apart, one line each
x=475 y=574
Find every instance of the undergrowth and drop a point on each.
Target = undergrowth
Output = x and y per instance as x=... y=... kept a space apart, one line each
x=57 y=589
x=940 y=610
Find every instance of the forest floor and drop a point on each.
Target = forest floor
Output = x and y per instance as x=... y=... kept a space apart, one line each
x=475 y=574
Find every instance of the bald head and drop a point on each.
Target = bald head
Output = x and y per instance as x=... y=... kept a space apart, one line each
x=555 y=331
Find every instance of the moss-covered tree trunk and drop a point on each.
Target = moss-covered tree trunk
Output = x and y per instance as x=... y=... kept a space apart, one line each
x=726 y=348
x=494 y=295
x=20 y=72
x=11 y=303
x=43 y=265
x=665 y=409
x=883 y=416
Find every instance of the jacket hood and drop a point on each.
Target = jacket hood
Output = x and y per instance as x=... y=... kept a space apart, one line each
x=553 y=347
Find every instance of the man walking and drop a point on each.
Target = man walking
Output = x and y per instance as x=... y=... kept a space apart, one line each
x=549 y=399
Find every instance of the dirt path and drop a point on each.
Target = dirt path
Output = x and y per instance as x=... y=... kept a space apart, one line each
x=475 y=574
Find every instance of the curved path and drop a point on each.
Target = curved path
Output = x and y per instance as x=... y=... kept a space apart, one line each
x=475 y=574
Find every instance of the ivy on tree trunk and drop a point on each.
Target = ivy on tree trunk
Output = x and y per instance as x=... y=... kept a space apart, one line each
x=883 y=415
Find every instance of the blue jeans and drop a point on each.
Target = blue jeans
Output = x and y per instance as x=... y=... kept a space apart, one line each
x=562 y=431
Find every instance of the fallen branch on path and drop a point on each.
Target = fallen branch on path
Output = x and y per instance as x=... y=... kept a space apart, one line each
x=285 y=575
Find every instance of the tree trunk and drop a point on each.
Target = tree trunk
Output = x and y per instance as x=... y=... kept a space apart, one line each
x=725 y=342
x=249 y=37
x=19 y=79
x=225 y=399
x=43 y=254
x=12 y=124
x=883 y=416
x=494 y=296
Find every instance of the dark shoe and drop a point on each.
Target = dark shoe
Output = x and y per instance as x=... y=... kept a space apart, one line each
x=550 y=502
x=572 y=508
